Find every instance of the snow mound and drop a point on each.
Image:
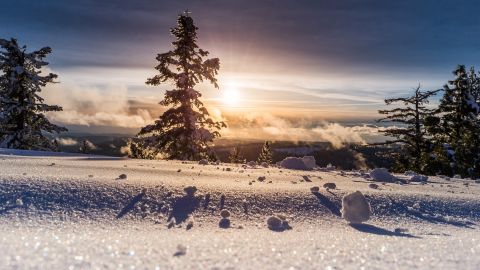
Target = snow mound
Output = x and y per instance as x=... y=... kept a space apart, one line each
x=309 y=162
x=225 y=213
x=203 y=162
x=355 y=208
x=382 y=175
x=415 y=177
x=278 y=223
x=296 y=163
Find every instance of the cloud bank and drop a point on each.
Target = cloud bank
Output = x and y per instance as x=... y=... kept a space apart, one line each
x=95 y=106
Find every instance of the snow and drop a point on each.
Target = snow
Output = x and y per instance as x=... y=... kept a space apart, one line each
x=203 y=162
x=19 y=70
x=58 y=217
x=296 y=163
x=473 y=103
x=382 y=175
x=355 y=208
x=415 y=177
x=309 y=162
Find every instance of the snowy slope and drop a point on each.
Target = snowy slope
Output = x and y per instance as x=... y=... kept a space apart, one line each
x=60 y=210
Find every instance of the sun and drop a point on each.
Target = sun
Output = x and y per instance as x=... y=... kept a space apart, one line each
x=231 y=95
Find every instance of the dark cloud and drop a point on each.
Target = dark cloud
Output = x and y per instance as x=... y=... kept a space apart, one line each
x=373 y=36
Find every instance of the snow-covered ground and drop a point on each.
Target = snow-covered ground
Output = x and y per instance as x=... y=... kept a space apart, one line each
x=85 y=212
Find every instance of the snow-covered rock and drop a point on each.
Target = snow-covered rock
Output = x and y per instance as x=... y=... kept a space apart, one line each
x=294 y=163
x=252 y=164
x=224 y=223
x=225 y=213
x=203 y=162
x=355 y=208
x=415 y=177
x=264 y=164
x=372 y=185
x=330 y=185
x=278 y=223
x=382 y=175
x=328 y=168
x=309 y=162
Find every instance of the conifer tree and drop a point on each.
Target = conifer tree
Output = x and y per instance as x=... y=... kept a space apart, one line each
x=85 y=148
x=185 y=129
x=266 y=154
x=236 y=155
x=458 y=123
x=23 y=124
x=411 y=133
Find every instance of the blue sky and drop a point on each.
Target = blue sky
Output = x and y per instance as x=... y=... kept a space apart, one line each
x=310 y=60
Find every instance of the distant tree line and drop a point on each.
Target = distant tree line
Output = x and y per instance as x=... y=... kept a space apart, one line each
x=441 y=139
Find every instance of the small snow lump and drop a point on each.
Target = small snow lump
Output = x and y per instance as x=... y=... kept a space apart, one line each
x=355 y=208
x=190 y=190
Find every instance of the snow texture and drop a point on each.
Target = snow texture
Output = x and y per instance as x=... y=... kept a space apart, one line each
x=63 y=216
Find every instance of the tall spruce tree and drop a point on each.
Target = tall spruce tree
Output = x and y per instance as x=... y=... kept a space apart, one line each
x=23 y=124
x=411 y=133
x=458 y=123
x=185 y=130
x=266 y=154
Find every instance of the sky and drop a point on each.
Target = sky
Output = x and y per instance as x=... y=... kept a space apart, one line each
x=287 y=68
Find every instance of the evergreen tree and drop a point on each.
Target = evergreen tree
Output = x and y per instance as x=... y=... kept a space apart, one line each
x=411 y=133
x=266 y=154
x=85 y=147
x=135 y=150
x=185 y=130
x=22 y=120
x=458 y=123
x=236 y=155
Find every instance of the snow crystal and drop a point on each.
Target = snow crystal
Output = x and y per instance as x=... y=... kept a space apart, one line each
x=382 y=175
x=355 y=208
x=19 y=202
